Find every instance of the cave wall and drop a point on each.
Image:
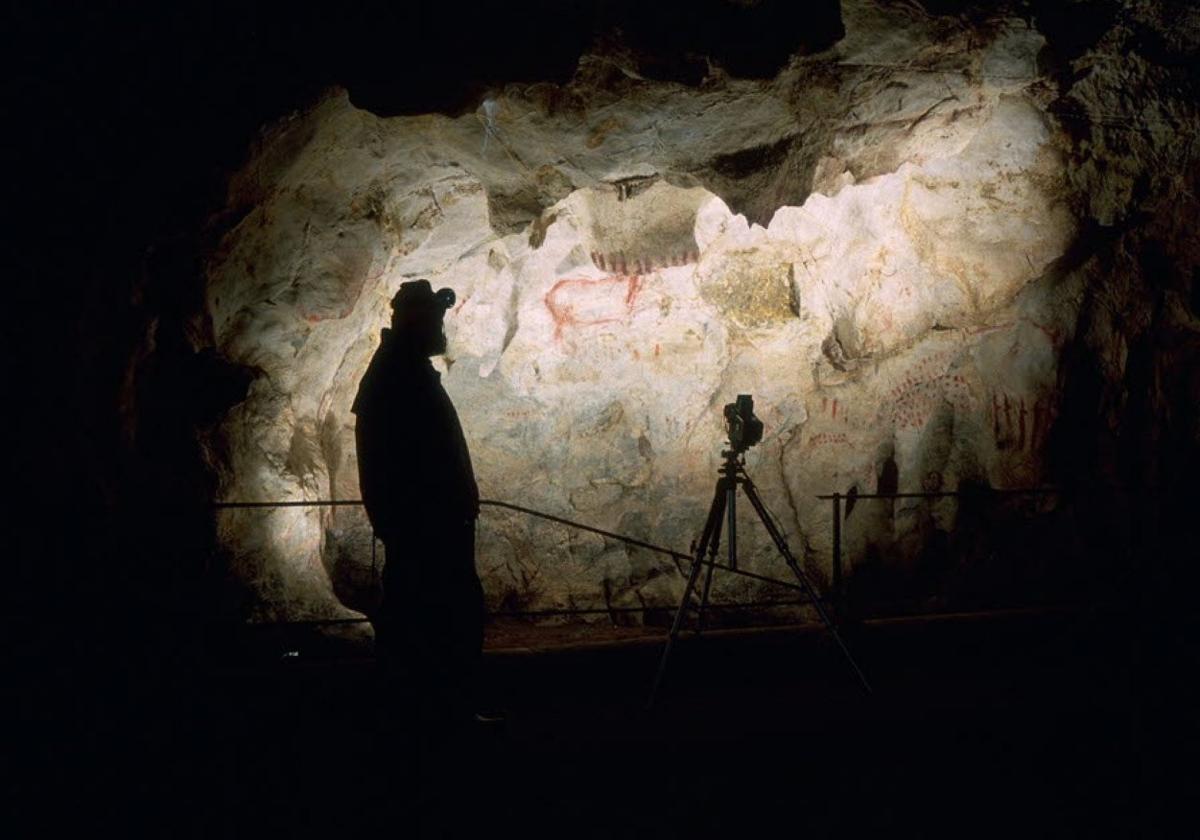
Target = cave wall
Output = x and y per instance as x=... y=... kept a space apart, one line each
x=946 y=251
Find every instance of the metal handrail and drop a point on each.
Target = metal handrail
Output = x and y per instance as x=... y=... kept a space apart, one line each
x=943 y=494
x=676 y=556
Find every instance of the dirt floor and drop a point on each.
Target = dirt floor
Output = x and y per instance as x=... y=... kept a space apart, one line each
x=510 y=634
x=505 y=635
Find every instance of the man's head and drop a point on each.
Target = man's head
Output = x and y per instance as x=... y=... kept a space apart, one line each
x=417 y=313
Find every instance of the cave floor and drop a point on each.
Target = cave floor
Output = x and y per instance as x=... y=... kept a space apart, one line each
x=1028 y=724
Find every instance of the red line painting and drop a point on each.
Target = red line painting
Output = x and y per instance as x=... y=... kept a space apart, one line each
x=619 y=263
x=584 y=301
x=834 y=409
x=317 y=317
x=828 y=439
x=990 y=329
x=1052 y=333
x=1021 y=424
x=353 y=291
x=929 y=384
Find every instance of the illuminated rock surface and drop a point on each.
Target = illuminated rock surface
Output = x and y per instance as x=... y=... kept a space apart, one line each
x=876 y=245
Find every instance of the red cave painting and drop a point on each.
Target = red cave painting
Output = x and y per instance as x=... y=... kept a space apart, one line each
x=828 y=439
x=830 y=407
x=989 y=328
x=924 y=388
x=324 y=310
x=915 y=399
x=1053 y=334
x=583 y=301
x=1018 y=426
x=327 y=315
x=619 y=264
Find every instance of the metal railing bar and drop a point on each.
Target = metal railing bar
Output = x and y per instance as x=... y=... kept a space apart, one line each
x=675 y=555
x=946 y=494
x=552 y=518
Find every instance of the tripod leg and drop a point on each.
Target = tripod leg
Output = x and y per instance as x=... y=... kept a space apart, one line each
x=731 y=509
x=781 y=544
x=711 y=526
x=713 y=548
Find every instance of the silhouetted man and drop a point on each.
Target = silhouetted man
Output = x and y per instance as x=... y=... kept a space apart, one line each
x=420 y=495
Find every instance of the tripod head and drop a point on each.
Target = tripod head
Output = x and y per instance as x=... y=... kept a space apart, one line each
x=734 y=463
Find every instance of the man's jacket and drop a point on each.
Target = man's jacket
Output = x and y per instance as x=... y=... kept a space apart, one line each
x=413 y=465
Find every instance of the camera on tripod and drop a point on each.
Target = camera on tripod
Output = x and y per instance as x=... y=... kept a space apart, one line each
x=743 y=427
x=745 y=430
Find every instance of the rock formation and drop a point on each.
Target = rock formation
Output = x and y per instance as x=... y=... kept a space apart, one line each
x=900 y=246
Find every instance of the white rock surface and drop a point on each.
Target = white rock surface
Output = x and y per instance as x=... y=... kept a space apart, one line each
x=889 y=299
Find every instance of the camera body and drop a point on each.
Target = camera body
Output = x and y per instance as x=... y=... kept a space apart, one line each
x=745 y=430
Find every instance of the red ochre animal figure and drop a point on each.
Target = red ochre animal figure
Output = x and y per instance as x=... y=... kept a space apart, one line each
x=583 y=301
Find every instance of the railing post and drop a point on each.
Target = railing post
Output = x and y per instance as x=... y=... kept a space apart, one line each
x=837 y=549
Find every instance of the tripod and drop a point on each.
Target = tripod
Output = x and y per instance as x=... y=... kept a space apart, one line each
x=724 y=506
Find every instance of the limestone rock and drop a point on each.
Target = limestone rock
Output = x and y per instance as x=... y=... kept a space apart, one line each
x=873 y=244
